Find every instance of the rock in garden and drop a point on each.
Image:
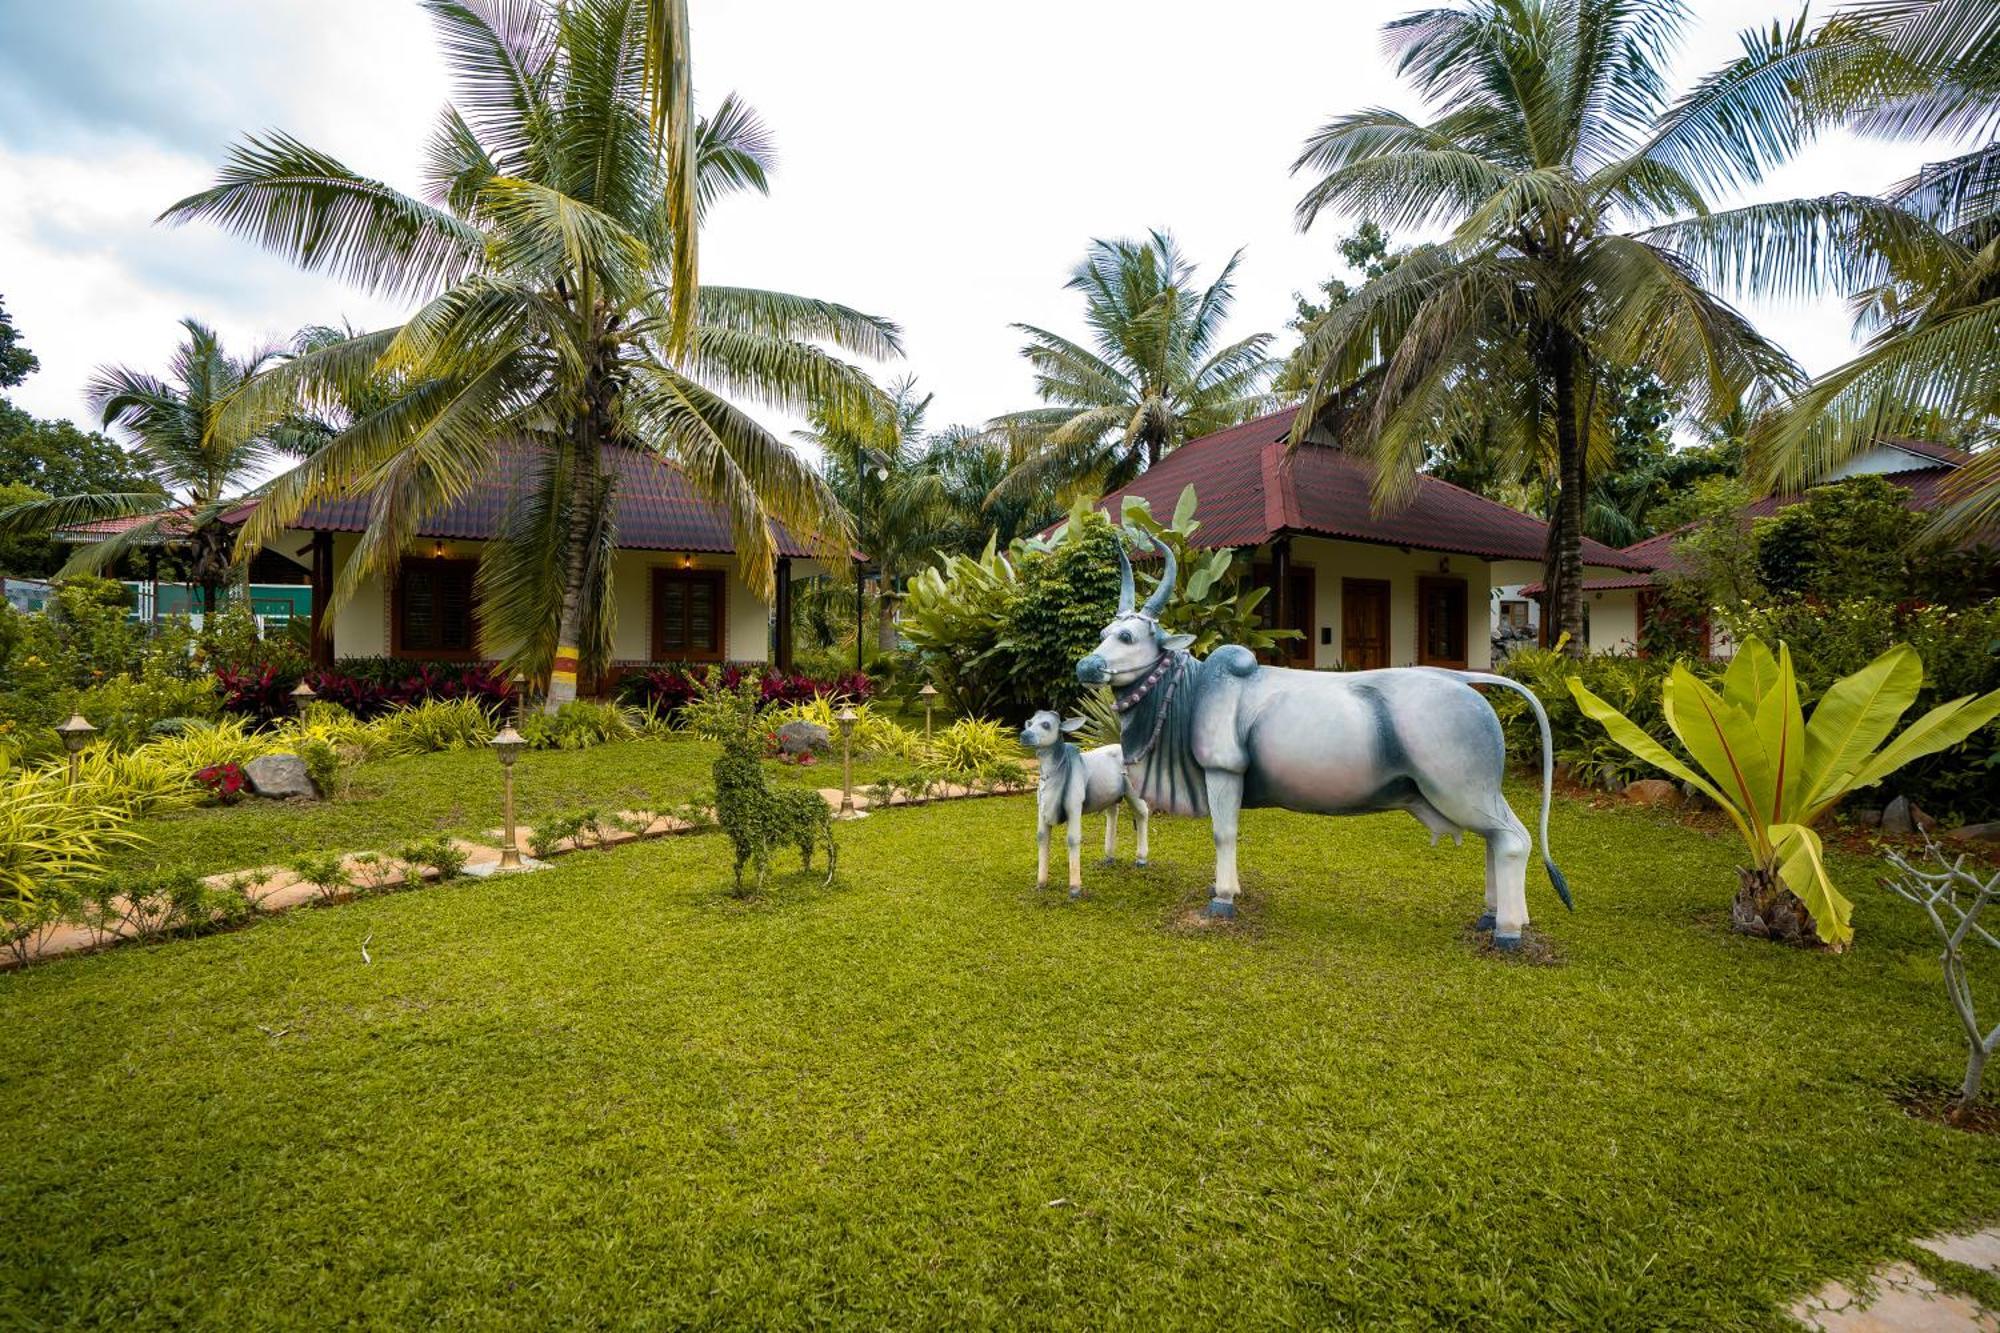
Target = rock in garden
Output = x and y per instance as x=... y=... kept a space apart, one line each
x=279 y=776
x=1987 y=832
x=795 y=738
x=1866 y=817
x=1903 y=817
x=1653 y=791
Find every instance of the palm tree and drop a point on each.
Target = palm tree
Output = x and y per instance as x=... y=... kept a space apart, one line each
x=1156 y=375
x=1555 y=163
x=1921 y=265
x=201 y=457
x=873 y=456
x=547 y=256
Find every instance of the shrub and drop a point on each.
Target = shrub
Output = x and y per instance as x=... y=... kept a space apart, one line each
x=1632 y=684
x=551 y=832
x=325 y=871
x=874 y=733
x=439 y=854
x=224 y=782
x=208 y=745
x=1774 y=773
x=577 y=725
x=437 y=724
x=139 y=782
x=54 y=837
x=973 y=751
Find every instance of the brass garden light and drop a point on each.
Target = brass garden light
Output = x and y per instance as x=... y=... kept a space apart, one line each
x=520 y=684
x=929 y=695
x=303 y=694
x=508 y=745
x=847 y=717
x=76 y=734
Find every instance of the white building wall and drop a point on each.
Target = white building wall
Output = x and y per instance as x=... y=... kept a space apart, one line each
x=1331 y=561
x=361 y=625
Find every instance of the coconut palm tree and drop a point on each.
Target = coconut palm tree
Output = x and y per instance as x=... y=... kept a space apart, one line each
x=201 y=457
x=873 y=460
x=1921 y=265
x=1554 y=163
x=546 y=258
x=1156 y=374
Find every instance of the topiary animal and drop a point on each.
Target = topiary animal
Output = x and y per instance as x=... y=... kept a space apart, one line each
x=758 y=817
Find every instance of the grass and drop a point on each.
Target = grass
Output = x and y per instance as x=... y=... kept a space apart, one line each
x=611 y=1094
x=452 y=792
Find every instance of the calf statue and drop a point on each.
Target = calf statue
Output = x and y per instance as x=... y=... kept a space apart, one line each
x=1212 y=737
x=1077 y=782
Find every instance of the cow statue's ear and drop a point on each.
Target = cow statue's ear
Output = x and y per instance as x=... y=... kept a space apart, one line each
x=1175 y=643
x=1074 y=724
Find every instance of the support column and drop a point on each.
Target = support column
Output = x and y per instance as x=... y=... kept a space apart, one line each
x=1281 y=593
x=782 y=610
x=322 y=593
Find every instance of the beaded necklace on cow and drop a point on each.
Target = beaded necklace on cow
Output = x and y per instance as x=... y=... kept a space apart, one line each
x=1166 y=669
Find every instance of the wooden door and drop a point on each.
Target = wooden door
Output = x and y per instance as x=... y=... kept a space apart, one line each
x=1441 y=622
x=1301 y=594
x=1364 y=624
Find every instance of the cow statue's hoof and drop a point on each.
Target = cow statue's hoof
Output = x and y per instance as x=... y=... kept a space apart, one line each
x=1507 y=943
x=1107 y=861
x=1485 y=921
x=1075 y=894
x=1140 y=862
x=1042 y=887
x=1222 y=909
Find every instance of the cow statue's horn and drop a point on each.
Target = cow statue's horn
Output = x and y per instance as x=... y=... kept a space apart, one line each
x=1158 y=601
x=1126 y=595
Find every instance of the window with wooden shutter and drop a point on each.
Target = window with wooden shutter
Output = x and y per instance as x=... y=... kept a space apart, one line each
x=434 y=613
x=688 y=615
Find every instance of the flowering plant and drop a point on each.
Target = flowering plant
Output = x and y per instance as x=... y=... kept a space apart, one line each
x=225 y=782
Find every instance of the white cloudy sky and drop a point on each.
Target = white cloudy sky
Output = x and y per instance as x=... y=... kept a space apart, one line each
x=941 y=164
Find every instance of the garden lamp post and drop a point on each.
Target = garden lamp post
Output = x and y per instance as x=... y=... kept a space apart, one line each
x=76 y=734
x=847 y=718
x=929 y=695
x=508 y=745
x=520 y=684
x=302 y=694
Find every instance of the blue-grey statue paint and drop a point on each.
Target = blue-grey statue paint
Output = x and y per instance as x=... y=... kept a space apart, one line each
x=1214 y=737
x=1077 y=782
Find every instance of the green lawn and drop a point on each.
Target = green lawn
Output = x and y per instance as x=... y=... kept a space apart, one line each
x=456 y=792
x=611 y=1095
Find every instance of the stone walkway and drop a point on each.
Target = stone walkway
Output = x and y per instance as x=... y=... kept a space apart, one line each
x=1898 y=1297
x=276 y=888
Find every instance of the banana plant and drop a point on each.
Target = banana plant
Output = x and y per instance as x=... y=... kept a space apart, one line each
x=1776 y=774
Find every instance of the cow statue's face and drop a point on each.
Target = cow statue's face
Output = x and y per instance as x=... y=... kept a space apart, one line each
x=1041 y=731
x=1133 y=642
x=1130 y=646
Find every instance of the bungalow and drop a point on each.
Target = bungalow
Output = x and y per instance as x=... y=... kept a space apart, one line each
x=678 y=586
x=1619 y=604
x=1409 y=586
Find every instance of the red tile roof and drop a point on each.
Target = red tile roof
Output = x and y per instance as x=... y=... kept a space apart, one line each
x=657 y=510
x=174 y=525
x=1249 y=490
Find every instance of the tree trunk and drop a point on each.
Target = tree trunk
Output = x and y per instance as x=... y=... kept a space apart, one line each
x=569 y=628
x=1968 y=1092
x=885 y=611
x=1563 y=573
x=1764 y=907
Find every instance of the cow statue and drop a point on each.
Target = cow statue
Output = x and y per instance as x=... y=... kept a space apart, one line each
x=1076 y=782
x=1212 y=737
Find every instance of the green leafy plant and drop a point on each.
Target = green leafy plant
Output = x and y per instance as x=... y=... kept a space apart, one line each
x=1775 y=773
x=54 y=837
x=27 y=923
x=1212 y=602
x=439 y=854
x=972 y=750
x=209 y=745
x=325 y=871
x=434 y=725
x=578 y=725
x=758 y=817
x=550 y=833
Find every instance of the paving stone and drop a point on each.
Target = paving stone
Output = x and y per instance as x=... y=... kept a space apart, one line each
x=1898 y=1299
x=1978 y=1249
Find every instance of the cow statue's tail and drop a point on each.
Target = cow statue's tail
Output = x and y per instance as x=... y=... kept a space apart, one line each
x=1548 y=768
